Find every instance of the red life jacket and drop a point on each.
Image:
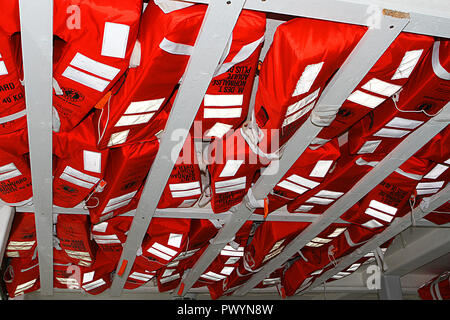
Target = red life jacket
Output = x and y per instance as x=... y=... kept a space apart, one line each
x=12 y=96
x=65 y=272
x=437 y=149
x=311 y=168
x=99 y=40
x=166 y=40
x=437 y=288
x=97 y=278
x=21 y=276
x=184 y=186
x=139 y=275
x=22 y=237
x=284 y=101
x=234 y=163
x=73 y=232
x=425 y=94
x=79 y=164
x=125 y=173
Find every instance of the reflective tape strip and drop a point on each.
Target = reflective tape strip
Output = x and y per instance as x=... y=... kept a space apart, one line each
x=230 y=188
x=144 y=106
x=438 y=69
x=231 y=182
x=231 y=168
x=133 y=120
x=407 y=64
x=421 y=192
x=213 y=276
x=329 y=194
x=88 y=276
x=78 y=182
x=184 y=186
x=12 y=254
x=391 y=133
x=3 y=69
x=227 y=270
x=292 y=187
x=303 y=181
x=383 y=207
x=365 y=99
x=298 y=115
x=321 y=240
x=176 y=48
x=94 y=285
x=105 y=237
x=116 y=206
x=223 y=100
x=302 y=103
x=314 y=245
x=379 y=215
x=118 y=138
x=304 y=208
x=187 y=254
x=24 y=286
x=218 y=130
x=232 y=260
x=13 y=117
x=21 y=243
x=307 y=78
x=115 y=40
x=231 y=252
x=381 y=87
x=211 y=113
x=85 y=79
x=80 y=175
x=321 y=201
x=121 y=198
x=168 y=272
x=100 y=69
x=186 y=193
x=321 y=168
x=100 y=241
x=159 y=254
x=369 y=147
x=7 y=168
x=436 y=171
x=175 y=240
x=187 y=203
x=164 y=249
x=354 y=267
x=78 y=253
x=426 y=185
x=168 y=279
x=10 y=175
x=317 y=272
x=100 y=227
x=403 y=123
x=92 y=161
x=336 y=232
x=141 y=276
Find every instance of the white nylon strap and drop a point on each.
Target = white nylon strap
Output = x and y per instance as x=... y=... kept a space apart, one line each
x=436 y=64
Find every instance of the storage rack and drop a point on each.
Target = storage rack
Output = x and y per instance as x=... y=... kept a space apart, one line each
x=386 y=19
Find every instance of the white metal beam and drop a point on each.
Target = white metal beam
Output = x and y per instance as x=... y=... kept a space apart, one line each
x=36 y=18
x=216 y=29
x=382 y=170
x=360 y=61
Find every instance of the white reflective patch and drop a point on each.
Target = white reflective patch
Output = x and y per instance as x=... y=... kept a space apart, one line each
x=321 y=240
x=7 y=168
x=369 y=146
x=223 y=100
x=317 y=272
x=134 y=119
x=383 y=207
x=421 y=192
x=212 y=276
x=365 y=99
x=105 y=237
x=322 y=201
x=100 y=69
x=304 y=208
x=229 y=251
x=115 y=40
x=407 y=64
x=85 y=79
x=99 y=241
x=168 y=272
x=92 y=161
x=141 y=276
x=145 y=106
x=218 y=130
x=403 y=123
x=78 y=182
x=231 y=168
x=175 y=240
x=298 y=115
x=10 y=175
x=164 y=249
x=159 y=254
x=314 y=245
x=80 y=175
x=176 y=48
x=292 y=187
x=303 y=181
x=230 y=188
x=168 y=279
x=118 y=138
x=217 y=113
x=231 y=182
x=436 y=172
x=336 y=232
x=391 y=133
x=426 y=185
x=184 y=186
x=88 y=277
x=329 y=194
x=307 y=78
x=321 y=168
x=227 y=270
x=187 y=203
x=113 y=207
x=354 y=266
x=232 y=260
x=121 y=198
x=3 y=70
x=381 y=87
x=372 y=224
x=94 y=285
x=302 y=103
x=379 y=215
